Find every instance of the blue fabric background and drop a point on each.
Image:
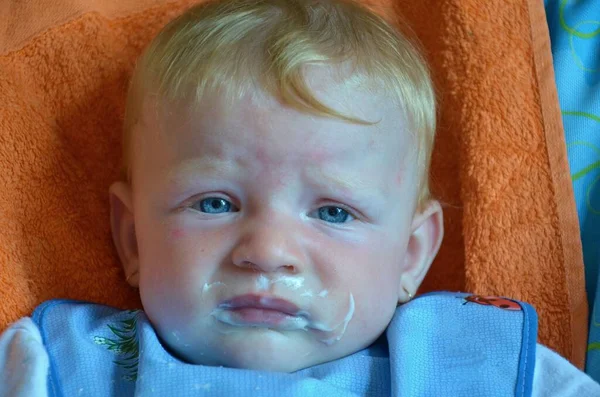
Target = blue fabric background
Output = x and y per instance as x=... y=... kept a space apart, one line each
x=575 y=35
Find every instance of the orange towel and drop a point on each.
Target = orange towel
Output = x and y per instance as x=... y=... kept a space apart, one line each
x=500 y=161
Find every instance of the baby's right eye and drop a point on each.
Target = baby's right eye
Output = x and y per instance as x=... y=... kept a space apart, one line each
x=213 y=205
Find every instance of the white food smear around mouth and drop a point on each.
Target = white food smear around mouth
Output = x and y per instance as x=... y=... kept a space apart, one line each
x=292 y=324
x=262 y=282
x=310 y=294
x=343 y=324
x=299 y=322
x=290 y=281
x=207 y=287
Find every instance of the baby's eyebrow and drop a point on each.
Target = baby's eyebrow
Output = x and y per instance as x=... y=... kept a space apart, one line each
x=205 y=165
x=349 y=184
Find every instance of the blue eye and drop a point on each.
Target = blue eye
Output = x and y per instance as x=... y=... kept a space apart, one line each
x=333 y=214
x=213 y=205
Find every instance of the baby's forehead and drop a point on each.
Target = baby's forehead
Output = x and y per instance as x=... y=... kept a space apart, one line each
x=172 y=119
x=203 y=131
x=251 y=115
x=341 y=86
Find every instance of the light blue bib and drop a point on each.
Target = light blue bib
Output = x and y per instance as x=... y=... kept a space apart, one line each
x=439 y=344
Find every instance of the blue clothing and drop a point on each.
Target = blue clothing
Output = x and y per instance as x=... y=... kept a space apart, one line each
x=439 y=344
x=575 y=36
x=592 y=365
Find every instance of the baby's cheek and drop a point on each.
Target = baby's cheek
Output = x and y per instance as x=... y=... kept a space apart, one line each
x=177 y=233
x=369 y=322
x=170 y=298
x=375 y=303
x=168 y=267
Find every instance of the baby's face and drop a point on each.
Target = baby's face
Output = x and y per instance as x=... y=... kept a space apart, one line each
x=270 y=238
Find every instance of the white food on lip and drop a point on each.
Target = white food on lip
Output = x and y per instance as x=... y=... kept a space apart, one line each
x=300 y=321
x=291 y=323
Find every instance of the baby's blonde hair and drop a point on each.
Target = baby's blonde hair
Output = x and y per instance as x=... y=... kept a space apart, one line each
x=237 y=46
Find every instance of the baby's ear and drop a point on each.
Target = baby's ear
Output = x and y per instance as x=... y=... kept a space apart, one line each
x=427 y=231
x=123 y=230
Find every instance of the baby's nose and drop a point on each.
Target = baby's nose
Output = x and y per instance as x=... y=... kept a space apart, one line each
x=269 y=248
x=263 y=267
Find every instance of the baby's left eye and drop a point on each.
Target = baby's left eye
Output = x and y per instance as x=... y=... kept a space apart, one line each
x=213 y=205
x=333 y=214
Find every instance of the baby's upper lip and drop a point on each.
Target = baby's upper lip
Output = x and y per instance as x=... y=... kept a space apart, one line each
x=261 y=302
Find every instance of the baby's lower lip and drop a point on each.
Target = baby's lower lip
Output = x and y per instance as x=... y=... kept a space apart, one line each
x=252 y=315
x=259 y=317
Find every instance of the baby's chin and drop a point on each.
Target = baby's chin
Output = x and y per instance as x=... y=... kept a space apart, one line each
x=262 y=349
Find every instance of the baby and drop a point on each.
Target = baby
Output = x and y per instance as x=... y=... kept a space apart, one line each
x=274 y=212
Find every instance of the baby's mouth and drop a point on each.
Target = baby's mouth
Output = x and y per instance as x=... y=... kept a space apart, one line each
x=261 y=311
x=268 y=311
